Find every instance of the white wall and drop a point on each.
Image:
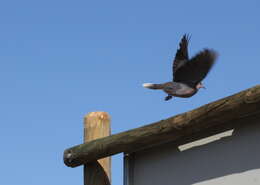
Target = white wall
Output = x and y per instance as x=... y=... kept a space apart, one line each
x=230 y=160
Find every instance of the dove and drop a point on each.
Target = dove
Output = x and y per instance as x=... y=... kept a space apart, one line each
x=187 y=73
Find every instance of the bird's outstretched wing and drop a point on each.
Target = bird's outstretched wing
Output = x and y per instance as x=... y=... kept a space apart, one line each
x=181 y=56
x=196 y=69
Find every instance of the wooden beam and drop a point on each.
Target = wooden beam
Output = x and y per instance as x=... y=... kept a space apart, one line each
x=219 y=113
x=97 y=125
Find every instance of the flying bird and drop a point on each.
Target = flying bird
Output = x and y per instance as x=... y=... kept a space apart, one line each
x=187 y=73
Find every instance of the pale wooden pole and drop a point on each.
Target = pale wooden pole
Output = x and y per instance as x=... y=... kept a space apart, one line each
x=97 y=125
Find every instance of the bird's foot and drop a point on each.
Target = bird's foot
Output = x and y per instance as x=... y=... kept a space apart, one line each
x=168 y=98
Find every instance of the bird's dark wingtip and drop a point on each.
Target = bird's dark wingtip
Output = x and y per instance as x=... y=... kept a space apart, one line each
x=211 y=53
x=187 y=37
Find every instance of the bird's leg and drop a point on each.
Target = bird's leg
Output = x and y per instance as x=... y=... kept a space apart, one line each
x=168 y=98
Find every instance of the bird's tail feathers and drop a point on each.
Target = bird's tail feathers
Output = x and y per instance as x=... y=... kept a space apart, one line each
x=153 y=86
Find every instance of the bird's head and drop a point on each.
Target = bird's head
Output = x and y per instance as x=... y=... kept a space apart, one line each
x=200 y=85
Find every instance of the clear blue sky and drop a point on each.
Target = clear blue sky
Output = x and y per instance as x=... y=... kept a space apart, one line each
x=62 y=59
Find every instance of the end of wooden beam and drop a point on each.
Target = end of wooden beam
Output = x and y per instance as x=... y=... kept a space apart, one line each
x=96 y=125
x=67 y=158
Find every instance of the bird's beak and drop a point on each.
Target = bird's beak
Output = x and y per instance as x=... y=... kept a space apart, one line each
x=202 y=86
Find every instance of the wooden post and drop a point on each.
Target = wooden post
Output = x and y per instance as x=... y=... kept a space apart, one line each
x=97 y=125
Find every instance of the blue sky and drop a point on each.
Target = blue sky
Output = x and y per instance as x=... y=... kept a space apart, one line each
x=62 y=59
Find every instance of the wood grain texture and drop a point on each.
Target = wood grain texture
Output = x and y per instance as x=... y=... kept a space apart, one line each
x=219 y=113
x=97 y=125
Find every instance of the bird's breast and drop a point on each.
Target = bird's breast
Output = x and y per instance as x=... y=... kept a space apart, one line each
x=182 y=90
